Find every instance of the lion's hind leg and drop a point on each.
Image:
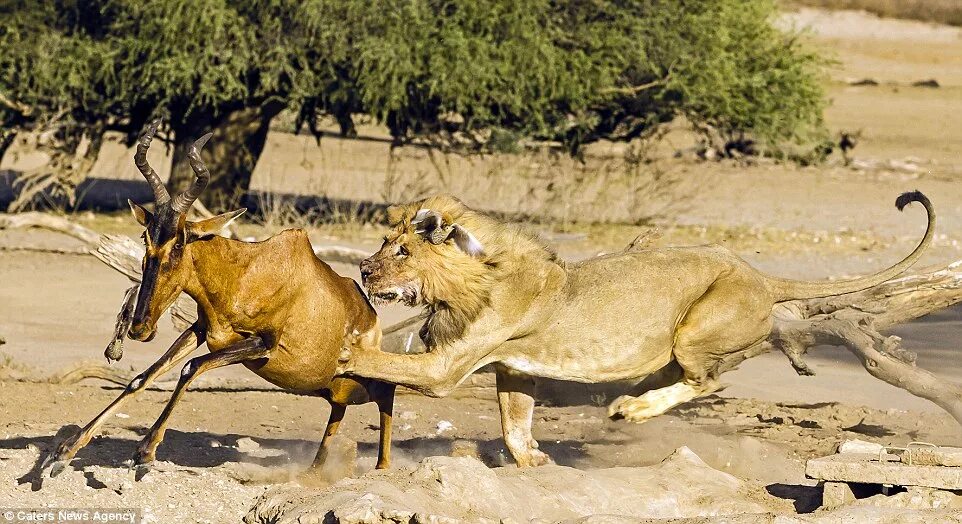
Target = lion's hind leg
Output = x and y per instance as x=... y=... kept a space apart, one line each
x=658 y=401
x=733 y=315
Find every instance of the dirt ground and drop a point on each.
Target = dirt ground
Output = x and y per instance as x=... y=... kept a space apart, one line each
x=231 y=439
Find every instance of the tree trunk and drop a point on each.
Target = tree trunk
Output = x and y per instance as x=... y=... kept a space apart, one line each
x=231 y=154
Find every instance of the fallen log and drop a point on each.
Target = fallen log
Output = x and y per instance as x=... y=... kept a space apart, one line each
x=855 y=322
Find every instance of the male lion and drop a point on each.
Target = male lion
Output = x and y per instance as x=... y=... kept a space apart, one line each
x=494 y=295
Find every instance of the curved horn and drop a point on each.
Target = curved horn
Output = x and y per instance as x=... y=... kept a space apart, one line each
x=184 y=200
x=140 y=160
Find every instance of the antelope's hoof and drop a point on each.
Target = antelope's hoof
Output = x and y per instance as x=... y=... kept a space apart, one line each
x=51 y=467
x=140 y=465
x=141 y=458
x=58 y=460
x=140 y=471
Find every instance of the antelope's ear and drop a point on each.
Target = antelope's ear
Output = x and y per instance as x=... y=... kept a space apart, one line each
x=140 y=214
x=395 y=214
x=213 y=225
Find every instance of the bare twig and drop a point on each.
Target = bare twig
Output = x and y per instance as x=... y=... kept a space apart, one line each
x=19 y=107
x=633 y=90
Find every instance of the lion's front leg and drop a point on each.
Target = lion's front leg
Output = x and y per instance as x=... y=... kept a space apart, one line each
x=517 y=410
x=433 y=374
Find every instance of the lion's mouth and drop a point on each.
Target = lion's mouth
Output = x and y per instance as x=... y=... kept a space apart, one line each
x=395 y=295
x=387 y=296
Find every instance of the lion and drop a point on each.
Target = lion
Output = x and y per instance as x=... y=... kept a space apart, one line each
x=494 y=294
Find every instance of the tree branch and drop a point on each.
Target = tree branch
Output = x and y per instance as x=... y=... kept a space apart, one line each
x=19 y=107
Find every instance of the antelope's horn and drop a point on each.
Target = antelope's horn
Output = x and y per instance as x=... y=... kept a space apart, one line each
x=184 y=200
x=140 y=160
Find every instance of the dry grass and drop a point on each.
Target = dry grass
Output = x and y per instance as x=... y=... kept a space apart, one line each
x=940 y=11
x=351 y=178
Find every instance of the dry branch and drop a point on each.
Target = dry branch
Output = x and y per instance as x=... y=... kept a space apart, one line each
x=854 y=321
x=51 y=222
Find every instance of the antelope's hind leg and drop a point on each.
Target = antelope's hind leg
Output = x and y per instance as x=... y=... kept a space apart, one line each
x=383 y=395
x=243 y=351
x=333 y=422
x=350 y=391
x=181 y=348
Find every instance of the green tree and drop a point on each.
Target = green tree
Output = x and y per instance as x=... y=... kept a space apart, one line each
x=469 y=74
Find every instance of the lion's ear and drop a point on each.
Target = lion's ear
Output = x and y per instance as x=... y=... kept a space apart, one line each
x=466 y=241
x=430 y=225
x=437 y=230
x=395 y=215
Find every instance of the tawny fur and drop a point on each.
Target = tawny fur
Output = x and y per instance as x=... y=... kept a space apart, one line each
x=515 y=304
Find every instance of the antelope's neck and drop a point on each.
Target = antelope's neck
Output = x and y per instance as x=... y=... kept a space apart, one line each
x=217 y=265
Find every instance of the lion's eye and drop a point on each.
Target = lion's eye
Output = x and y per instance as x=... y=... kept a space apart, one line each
x=402 y=251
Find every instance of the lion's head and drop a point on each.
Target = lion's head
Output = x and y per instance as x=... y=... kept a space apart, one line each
x=447 y=257
x=424 y=253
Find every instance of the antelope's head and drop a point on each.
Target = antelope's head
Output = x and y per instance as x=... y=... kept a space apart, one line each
x=167 y=234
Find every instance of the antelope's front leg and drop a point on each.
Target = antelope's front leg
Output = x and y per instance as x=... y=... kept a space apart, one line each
x=245 y=350
x=185 y=344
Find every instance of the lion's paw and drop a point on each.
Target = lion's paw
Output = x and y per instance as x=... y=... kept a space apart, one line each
x=633 y=409
x=540 y=458
x=533 y=458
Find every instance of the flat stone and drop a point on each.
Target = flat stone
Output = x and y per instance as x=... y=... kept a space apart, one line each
x=865 y=468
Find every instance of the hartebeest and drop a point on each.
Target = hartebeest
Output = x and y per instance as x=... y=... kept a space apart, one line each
x=272 y=306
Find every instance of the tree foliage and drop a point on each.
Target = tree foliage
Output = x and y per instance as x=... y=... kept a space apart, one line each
x=469 y=73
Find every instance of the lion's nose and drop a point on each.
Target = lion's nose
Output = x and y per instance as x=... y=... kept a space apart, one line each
x=367 y=267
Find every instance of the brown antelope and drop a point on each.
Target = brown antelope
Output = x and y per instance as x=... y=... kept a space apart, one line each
x=272 y=306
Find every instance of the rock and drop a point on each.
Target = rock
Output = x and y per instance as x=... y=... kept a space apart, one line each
x=407 y=415
x=865 y=468
x=931 y=82
x=247 y=445
x=446 y=489
x=859 y=446
x=915 y=498
x=873 y=515
x=250 y=447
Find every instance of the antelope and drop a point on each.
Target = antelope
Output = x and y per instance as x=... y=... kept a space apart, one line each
x=272 y=306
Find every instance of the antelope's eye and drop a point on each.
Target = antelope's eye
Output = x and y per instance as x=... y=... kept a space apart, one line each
x=402 y=251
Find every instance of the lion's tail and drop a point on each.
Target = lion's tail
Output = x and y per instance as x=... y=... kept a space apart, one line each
x=784 y=289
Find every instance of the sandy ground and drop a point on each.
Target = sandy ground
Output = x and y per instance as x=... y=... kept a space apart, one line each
x=229 y=441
